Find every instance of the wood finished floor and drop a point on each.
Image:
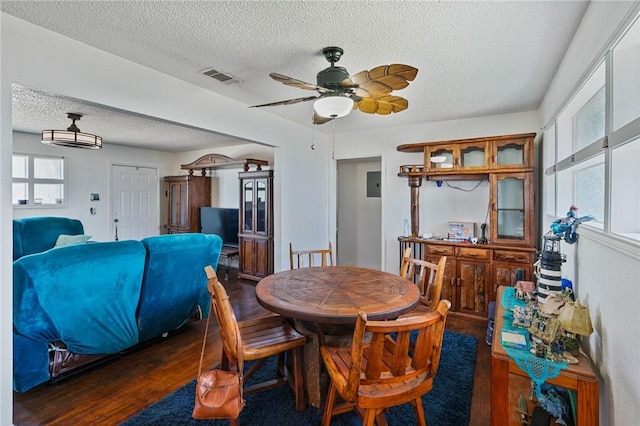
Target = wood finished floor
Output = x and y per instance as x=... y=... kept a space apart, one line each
x=114 y=391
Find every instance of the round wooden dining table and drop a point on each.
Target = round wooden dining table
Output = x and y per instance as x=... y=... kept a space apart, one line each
x=330 y=297
x=335 y=294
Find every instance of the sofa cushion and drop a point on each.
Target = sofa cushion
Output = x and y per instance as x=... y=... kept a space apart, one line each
x=84 y=295
x=174 y=286
x=38 y=234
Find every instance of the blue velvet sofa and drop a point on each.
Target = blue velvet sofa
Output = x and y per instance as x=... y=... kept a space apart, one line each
x=74 y=306
x=37 y=234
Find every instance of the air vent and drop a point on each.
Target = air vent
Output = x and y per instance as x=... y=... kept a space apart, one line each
x=220 y=76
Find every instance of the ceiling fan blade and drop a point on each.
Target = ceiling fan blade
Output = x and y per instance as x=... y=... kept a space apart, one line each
x=383 y=105
x=383 y=79
x=318 y=119
x=287 y=102
x=288 y=81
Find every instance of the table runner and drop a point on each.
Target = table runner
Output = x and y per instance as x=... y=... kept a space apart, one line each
x=538 y=369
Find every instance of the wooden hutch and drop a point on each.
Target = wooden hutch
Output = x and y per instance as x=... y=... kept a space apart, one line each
x=186 y=194
x=475 y=271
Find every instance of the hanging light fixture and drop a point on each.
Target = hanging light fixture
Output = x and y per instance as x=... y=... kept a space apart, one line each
x=72 y=137
x=333 y=106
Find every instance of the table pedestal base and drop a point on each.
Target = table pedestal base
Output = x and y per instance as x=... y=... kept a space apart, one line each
x=316 y=379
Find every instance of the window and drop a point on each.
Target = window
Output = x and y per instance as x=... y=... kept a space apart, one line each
x=625 y=190
x=592 y=147
x=626 y=78
x=38 y=180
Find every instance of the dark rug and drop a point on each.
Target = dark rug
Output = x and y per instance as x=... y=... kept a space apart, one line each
x=448 y=403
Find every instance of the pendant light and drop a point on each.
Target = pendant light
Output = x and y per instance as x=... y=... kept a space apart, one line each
x=72 y=137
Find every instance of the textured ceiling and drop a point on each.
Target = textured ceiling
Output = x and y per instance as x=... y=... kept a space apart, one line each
x=474 y=58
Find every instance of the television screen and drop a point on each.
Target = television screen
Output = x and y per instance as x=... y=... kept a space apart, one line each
x=222 y=222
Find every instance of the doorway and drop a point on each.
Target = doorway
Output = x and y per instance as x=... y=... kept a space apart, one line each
x=134 y=201
x=359 y=212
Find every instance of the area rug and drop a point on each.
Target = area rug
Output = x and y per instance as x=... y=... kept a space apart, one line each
x=448 y=403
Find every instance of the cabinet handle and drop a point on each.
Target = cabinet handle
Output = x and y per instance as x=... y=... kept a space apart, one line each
x=452 y=283
x=458 y=282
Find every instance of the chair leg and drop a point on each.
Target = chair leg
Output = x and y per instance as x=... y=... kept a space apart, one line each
x=328 y=405
x=419 y=410
x=382 y=421
x=369 y=418
x=298 y=380
x=281 y=366
x=234 y=422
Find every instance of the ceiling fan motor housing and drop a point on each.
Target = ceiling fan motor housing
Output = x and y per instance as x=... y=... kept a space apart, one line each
x=332 y=77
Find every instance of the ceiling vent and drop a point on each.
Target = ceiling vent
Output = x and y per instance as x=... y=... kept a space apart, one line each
x=220 y=76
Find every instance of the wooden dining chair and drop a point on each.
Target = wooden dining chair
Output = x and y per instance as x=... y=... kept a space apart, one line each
x=260 y=338
x=309 y=258
x=428 y=277
x=371 y=377
x=405 y=258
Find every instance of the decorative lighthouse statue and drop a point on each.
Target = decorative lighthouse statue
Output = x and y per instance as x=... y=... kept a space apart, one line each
x=549 y=264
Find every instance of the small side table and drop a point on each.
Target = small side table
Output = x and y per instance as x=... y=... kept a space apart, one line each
x=227 y=255
x=578 y=377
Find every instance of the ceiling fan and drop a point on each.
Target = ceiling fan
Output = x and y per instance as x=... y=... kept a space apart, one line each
x=339 y=93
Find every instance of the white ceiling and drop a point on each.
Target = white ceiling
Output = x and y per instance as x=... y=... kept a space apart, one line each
x=474 y=58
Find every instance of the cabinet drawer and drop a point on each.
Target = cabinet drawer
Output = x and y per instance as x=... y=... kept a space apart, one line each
x=473 y=253
x=440 y=250
x=511 y=256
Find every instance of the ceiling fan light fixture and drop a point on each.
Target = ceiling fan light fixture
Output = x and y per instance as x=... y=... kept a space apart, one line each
x=333 y=106
x=72 y=137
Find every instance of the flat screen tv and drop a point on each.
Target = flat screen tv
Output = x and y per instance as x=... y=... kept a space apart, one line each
x=222 y=222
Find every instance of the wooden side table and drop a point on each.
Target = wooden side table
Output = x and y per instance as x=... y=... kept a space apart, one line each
x=505 y=375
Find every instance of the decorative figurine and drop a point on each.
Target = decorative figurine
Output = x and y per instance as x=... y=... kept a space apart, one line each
x=566 y=227
x=483 y=237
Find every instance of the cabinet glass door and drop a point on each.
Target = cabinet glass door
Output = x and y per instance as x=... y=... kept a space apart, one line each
x=510 y=208
x=247 y=205
x=261 y=205
x=473 y=156
x=511 y=154
x=439 y=158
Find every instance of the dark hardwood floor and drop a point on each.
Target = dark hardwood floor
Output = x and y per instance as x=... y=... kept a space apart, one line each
x=114 y=391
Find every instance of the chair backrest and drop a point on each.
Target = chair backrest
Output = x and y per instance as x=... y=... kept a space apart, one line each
x=405 y=261
x=229 y=331
x=309 y=258
x=427 y=276
x=389 y=358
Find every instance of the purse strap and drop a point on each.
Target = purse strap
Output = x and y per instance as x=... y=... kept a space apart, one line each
x=204 y=343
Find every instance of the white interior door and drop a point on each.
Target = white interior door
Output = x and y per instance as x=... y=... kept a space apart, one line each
x=134 y=195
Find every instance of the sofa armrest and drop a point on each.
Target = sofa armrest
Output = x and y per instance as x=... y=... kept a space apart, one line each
x=37 y=234
x=84 y=295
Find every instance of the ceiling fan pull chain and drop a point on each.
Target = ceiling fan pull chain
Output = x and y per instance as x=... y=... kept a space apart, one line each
x=333 y=151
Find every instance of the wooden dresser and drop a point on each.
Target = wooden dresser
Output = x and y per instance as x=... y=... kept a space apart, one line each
x=508 y=382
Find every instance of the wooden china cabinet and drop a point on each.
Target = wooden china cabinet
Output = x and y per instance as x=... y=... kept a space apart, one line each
x=186 y=194
x=475 y=271
x=255 y=236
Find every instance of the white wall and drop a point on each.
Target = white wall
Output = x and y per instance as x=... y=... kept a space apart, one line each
x=605 y=272
x=88 y=171
x=31 y=57
x=437 y=205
